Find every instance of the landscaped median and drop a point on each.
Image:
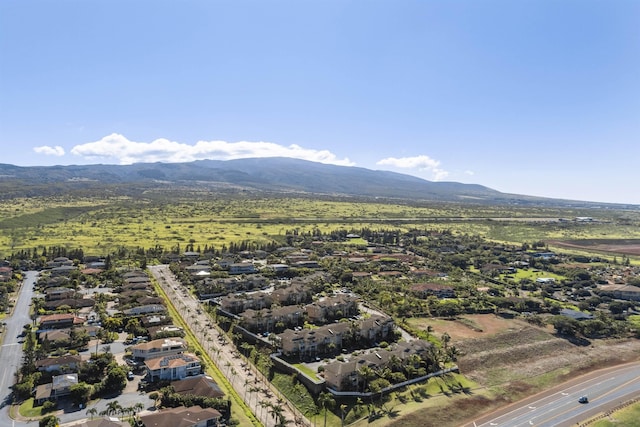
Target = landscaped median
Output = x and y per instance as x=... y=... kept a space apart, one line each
x=239 y=408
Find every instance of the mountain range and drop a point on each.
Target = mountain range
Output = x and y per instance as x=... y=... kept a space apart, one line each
x=266 y=175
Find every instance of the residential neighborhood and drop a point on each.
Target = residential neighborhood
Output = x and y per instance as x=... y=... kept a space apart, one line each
x=334 y=316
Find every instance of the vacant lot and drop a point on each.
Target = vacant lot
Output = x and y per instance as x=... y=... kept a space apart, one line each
x=617 y=246
x=465 y=327
x=510 y=359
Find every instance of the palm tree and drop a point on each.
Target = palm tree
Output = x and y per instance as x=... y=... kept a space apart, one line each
x=246 y=383
x=263 y=404
x=343 y=410
x=92 y=412
x=395 y=363
x=326 y=401
x=276 y=412
x=113 y=407
x=138 y=407
x=446 y=338
x=367 y=374
x=233 y=375
x=246 y=347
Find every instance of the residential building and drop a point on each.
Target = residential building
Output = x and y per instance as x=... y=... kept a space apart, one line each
x=59 y=386
x=59 y=321
x=440 y=290
x=309 y=343
x=158 y=348
x=193 y=416
x=175 y=367
x=67 y=363
x=145 y=309
x=201 y=385
x=345 y=376
x=332 y=308
x=58 y=293
x=624 y=292
x=242 y=268
x=267 y=320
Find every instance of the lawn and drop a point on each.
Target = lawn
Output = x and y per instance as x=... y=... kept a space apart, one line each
x=27 y=409
x=306 y=370
x=627 y=417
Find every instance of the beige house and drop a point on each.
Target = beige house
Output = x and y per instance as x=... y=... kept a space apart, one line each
x=193 y=416
x=624 y=292
x=332 y=308
x=266 y=320
x=66 y=363
x=308 y=343
x=59 y=386
x=159 y=348
x=175 y=367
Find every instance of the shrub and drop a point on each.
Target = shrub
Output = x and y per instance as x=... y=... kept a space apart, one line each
x=48 y=406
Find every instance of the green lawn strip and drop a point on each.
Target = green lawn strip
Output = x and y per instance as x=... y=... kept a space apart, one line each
x=239 y=408
x=533 y=274
x=562 y=304
x=27 y=410
x=306 y=370
x=627 y=417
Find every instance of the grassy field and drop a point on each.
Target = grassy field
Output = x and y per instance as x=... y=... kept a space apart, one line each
x=101 y=225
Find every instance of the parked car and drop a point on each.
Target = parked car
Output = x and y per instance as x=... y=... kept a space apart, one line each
x=130 y=376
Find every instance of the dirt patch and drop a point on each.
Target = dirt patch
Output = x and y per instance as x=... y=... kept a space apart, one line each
x=514 y=360
x=468 y=326
x=614 y=246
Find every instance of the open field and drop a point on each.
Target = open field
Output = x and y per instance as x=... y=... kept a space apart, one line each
x=619 y=246
x=102 y=225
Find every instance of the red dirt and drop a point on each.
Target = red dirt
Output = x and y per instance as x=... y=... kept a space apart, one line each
x=628 y=247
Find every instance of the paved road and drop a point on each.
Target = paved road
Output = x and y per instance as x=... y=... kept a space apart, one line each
x=230 y=362
x=11 y=350
x=559 y=407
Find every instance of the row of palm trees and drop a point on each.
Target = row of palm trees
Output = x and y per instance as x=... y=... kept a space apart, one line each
x=114 y=408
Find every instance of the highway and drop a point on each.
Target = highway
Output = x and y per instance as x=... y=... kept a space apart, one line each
x=605 y=389
x=11 y=350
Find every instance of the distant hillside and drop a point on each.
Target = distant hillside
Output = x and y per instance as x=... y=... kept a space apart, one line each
x=270 y=175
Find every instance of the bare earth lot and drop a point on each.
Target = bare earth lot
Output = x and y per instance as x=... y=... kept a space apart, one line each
x=511 y=359
x=618 y=246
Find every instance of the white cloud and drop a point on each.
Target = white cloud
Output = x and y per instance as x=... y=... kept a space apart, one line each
x=420 y=163
x=468 y=172
x=116 y=147
x=49 y=151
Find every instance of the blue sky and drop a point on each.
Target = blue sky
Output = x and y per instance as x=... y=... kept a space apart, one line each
x=537 y=97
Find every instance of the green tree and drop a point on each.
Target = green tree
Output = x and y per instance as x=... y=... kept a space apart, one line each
x=326 y=401
x=49 y=421
x=80 y=393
